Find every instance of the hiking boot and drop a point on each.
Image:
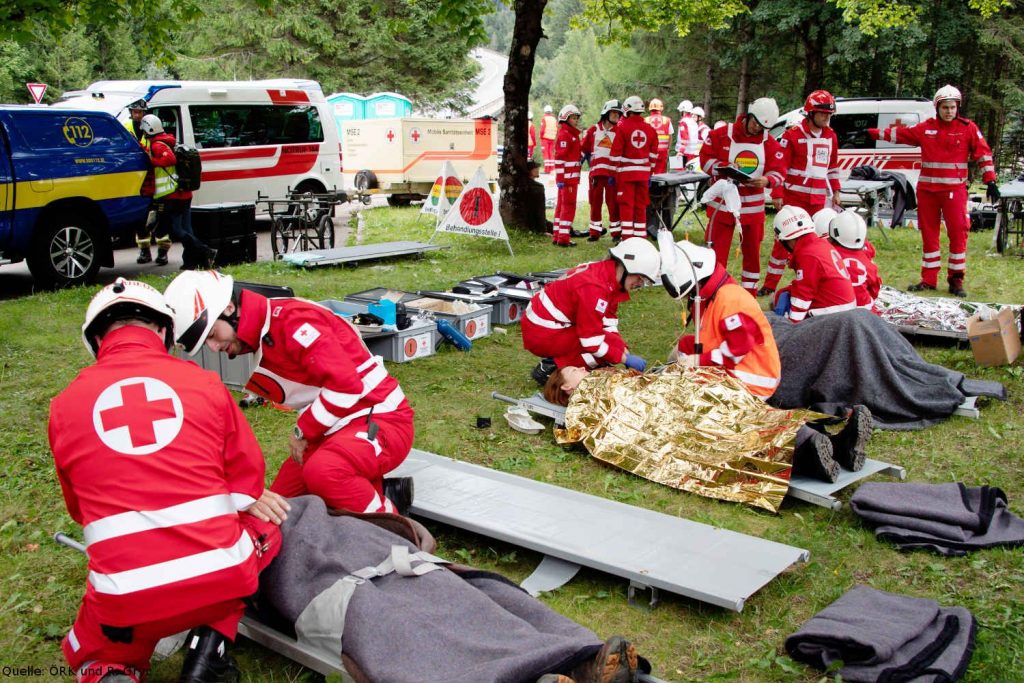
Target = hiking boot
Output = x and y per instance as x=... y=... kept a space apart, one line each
x=144 y=256
x=570 y=243
x=161 y=257
x=765 y=291
x=555 y=678
x=849 y=444
x=813 y=458
x=616 y=238
x=399 y=490
x=921 y=287
x=207 y=659
x=542 y=370
x=579 y=233
x=616 y=662
x=958 y=290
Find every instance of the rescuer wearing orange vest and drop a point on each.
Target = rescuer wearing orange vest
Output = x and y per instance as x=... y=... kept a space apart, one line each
x=662 y=125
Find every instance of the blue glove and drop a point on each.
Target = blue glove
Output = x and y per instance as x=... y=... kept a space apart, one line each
x=611 y=181
x=782 y=305
x=634 y=362
x=559 y=185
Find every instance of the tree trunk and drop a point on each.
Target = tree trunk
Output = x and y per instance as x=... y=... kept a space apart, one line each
x=812 y=35
x=746 y=35
x=518 y=204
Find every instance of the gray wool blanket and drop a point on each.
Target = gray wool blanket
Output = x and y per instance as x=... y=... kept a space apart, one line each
x=885 y=637
x=949 y=519
x=833 y=362
x=436 y=627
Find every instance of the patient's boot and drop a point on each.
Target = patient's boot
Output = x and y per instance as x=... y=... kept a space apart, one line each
x=616 y=662
x=399 y=490
x=848 y=446
x=207 y=659
x=813 y=458
x=542 y=370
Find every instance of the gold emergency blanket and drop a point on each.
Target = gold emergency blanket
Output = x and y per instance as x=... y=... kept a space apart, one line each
x=695 y=429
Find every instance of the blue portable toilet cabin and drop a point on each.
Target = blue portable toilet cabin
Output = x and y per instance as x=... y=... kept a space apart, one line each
x=347 y=106
x=387 y=105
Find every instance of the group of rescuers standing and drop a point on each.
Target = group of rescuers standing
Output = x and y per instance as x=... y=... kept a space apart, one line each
x=178 y=530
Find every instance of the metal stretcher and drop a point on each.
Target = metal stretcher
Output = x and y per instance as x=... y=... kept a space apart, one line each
x=809 y=490
x=1009 y=232
x=653 y=551
x=363 y=252
x=868 y=192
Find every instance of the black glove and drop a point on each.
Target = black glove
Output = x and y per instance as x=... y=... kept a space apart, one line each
x=585 y=159
x=993 y=192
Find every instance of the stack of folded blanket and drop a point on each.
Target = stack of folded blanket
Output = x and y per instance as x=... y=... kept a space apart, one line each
x=881 y=636
x=950 y=519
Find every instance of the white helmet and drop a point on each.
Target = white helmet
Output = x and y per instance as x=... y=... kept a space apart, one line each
x=611 y=105
x=197 y=298
x=567 y=111
x=637 y=256
x=151 y=124
x=680 y=261
x=633 y=104
x=547 y=109
x=685 y=107
x=765 y=111
x=822 y=217
x=946 y=92
x=123 y=300
x=849 y=230
x=698 y=111
x=792 y=222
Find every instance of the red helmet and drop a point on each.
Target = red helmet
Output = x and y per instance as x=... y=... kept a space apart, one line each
x=820 y=100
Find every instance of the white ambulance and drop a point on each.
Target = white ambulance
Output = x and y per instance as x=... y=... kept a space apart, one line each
x=269 y=137
x=851 y=121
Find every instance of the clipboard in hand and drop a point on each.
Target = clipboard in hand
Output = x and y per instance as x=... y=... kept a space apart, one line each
x=733 y=174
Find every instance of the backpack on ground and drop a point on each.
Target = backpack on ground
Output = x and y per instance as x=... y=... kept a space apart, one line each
x=189 y=167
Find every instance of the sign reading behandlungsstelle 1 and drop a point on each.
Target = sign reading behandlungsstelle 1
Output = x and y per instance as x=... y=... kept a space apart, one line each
x=475 y=213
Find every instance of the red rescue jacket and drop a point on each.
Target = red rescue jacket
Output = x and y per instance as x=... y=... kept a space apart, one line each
x=945 y=151
x=821 y=285
x=567 y=155
x=634 y=149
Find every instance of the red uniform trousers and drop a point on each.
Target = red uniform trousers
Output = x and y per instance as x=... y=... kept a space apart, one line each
x=90 y=651
x=562 y=346
x=661 y=164
x=721 y=226
x=565 y=212
x=952 y=205
x=547 y=148
x=779 y=259
x=346 y=469
x=602 y=192
x=633 y=197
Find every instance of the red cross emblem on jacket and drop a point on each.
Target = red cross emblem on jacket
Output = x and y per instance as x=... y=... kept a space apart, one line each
x=137 y=416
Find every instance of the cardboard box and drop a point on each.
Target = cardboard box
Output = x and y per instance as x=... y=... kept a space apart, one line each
x=995 y=341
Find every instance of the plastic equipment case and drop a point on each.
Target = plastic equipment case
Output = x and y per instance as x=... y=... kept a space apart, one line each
x=474 y=325
x=228 y=228
x=400 y=346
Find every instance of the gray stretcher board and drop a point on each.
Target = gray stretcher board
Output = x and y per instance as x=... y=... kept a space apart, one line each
x=364 y=252
x=802 y=488
x=652 y=550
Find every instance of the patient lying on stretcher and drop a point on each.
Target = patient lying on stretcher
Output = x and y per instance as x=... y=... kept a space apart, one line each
x=700 y=430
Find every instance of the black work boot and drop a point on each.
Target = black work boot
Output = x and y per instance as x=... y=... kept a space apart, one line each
x=848 y=446
x=542 y=370
x=765 y=291
x=956 y=288
x=921 y=287
x=161 y=257
x=144 y=256
x=207 y=659
x=813 y=458
x=399 y=490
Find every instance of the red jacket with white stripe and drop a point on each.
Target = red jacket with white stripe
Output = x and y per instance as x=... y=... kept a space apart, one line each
x=945 y=150
x=821 y=285
x=314 y=361
x=567 y=155
x=597 y=142
x=635 y=149
x=863 y=273
x=759 y=155
x=155 y=460
x=812 y=163
x=587 y=300
x=735 y=335
x=688 y=139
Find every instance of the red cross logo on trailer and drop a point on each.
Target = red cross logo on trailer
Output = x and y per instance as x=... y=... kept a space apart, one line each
x=137 y=416
x=415 y=135
x=638 y=139
x=390 y=134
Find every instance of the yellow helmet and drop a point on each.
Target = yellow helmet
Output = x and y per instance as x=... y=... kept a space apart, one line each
x=656 y=105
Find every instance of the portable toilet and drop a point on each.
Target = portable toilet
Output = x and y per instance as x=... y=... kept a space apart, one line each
x=347 y=106
x=387 y=105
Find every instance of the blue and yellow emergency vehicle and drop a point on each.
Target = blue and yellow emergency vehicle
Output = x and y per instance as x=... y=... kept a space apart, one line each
x=70 y=184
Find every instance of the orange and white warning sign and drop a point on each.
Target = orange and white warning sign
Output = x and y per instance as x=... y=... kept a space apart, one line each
x=475 y=212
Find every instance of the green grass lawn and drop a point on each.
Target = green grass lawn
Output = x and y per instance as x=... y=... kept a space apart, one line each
x=41 y=583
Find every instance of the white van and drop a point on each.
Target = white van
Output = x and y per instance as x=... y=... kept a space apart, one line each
x=851 y=121
x=254 y=137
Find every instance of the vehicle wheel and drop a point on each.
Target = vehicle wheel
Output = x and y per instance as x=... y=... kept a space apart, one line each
x=307 y=187
x=65 y=252
x=325 y=232
x=278 y=238
x=365 y=180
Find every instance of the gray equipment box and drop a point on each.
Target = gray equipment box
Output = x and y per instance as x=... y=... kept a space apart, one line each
x=475 y=324
x=419 y=340
x=504 y=311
